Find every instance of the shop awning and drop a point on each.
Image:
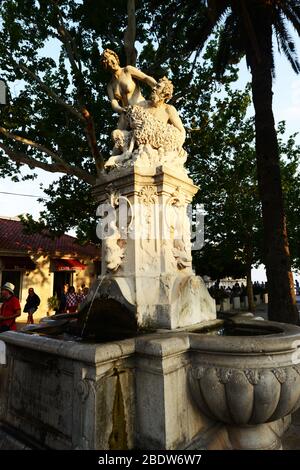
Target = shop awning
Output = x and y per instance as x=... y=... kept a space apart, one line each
x=69 y=264
x=17 y=263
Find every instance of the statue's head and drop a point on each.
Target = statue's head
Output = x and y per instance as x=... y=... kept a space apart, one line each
x=110 y=60
x=163 y=90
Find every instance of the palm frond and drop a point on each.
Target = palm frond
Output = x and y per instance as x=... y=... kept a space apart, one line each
x=285 y=41
x=291 y=10
x=228 y=50
x=176 y=31
x=197 y=38
x=215 y=8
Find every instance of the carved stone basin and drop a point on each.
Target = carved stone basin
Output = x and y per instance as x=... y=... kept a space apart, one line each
x=246 y=378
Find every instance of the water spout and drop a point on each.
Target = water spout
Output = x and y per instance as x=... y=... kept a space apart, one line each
x=90 y=307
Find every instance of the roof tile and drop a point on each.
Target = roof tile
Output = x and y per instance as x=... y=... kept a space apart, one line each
x=13 y=238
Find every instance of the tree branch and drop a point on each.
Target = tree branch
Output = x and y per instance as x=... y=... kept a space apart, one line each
x=51 y=93
x=38 y=146
x=92 y=141
x=23 y=159
x=130 y=33
x=71 y=49
x=69 y=43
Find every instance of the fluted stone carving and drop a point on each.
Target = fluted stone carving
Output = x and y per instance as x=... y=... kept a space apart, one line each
x=247 y=381
x=270 y=393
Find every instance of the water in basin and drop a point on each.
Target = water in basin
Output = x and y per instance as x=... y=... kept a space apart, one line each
x=233 y=329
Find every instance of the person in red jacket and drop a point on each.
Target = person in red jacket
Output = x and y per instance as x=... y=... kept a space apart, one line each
x=10 y=309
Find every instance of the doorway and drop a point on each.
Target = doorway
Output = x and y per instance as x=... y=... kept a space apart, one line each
x=60 y=279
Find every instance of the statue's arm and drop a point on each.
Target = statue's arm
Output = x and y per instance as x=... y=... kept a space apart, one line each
x=114 y=102
x=175 y=120
x=135 y=73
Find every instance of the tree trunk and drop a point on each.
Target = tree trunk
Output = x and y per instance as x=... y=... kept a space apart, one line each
x=251 y=304
x=282 y=301
x=130 y=33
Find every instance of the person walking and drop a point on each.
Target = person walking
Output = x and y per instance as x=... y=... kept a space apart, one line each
x=31 y=306
x=10 y=309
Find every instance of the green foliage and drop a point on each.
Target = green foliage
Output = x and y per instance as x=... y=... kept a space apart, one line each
x=227 y=178
x=53 y=302
x=290 y=164
x=240 y=24
x=29 y=34
x=223 y=166
x=26 y=35
x=70 y=204
x=220 y=140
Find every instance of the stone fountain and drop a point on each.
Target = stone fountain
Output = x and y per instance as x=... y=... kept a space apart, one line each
x=248 y=380
x=161 y=378
x=146 y=249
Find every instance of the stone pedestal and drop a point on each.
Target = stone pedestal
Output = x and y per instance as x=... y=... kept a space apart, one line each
x=146 y=247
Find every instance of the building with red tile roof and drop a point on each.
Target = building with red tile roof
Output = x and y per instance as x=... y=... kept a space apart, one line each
x=43 y=262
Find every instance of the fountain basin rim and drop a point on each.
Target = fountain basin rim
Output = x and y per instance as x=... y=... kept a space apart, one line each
x=282 y=337
x=87 y=352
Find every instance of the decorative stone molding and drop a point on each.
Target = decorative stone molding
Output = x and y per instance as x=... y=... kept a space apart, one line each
x=148 y=206
x=230 y=384
x=252 y=376
x=180 y=226
x=82 y=389
x=114 y=245
x=225 y=375
x=148 y=195
x=280 y=374
x=150 y=253
x=248 y=379
x=177 y=198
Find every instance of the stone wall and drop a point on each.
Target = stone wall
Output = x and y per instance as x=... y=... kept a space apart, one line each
x=64 y=396
x=119 y=395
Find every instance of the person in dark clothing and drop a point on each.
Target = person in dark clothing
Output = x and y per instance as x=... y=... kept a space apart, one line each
x=10 y=309
x=62 y=295
x=32 y=303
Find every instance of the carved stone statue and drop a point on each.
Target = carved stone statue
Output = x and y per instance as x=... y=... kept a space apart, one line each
x=156 y=133
x=123 y=89
x=147 y=118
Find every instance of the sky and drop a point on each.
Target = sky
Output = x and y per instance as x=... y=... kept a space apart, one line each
x=23 y=195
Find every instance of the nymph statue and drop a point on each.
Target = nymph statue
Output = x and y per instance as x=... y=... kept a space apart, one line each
x=123 y=89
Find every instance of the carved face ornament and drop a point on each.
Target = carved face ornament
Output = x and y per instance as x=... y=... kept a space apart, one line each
x=158 y=94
